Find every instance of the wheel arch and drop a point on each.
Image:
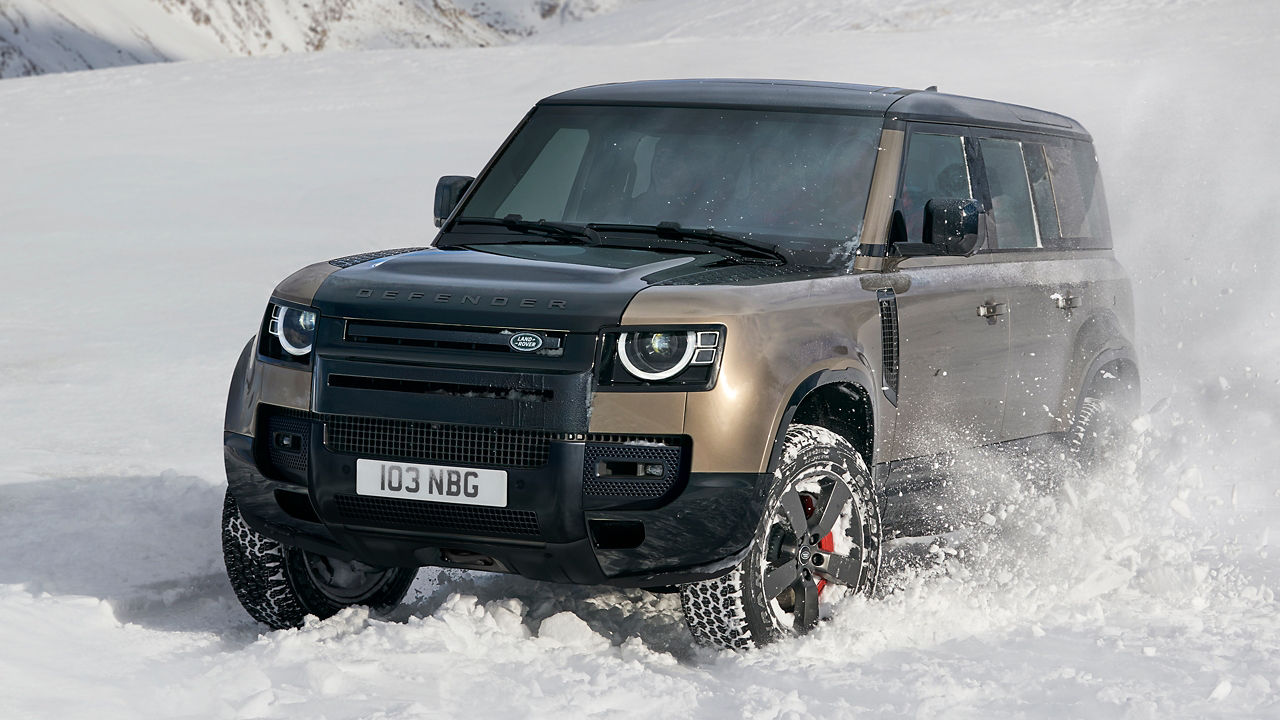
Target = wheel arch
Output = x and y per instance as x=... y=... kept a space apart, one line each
x=1102 y=349
x=838 y=400
x=1114 y=375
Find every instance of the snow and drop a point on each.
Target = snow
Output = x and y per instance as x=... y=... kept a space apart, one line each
x=146 y=212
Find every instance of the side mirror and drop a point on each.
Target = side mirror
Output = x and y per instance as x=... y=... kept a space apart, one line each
x=449 y=191
x=954 y=225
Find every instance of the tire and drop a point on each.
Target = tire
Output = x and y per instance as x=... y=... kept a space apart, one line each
x=822 y=483
x=1097 y=434
x=280 y=585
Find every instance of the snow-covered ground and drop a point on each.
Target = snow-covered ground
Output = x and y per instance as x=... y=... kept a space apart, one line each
x=145 y=214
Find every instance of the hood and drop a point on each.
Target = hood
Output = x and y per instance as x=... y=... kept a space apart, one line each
x=550 y=287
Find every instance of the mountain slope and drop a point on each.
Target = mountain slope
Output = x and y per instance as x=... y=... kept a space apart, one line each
x=44 y=36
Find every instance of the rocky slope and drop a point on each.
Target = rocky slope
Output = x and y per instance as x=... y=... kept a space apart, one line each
x=43 y=36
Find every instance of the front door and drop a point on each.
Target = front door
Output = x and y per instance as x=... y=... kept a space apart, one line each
x=952 y=313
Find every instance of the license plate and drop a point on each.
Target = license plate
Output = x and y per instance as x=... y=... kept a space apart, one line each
x=435 y=483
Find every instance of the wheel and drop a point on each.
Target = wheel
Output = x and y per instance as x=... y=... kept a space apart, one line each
x=280 y=585
x=1097 y=433
x=819 y=534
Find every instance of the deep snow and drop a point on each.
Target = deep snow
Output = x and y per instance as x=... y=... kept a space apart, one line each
x=145 y=214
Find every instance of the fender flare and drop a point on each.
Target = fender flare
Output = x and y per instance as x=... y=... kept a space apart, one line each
x=1132 y=398
x=849 y=376
x=241 y=399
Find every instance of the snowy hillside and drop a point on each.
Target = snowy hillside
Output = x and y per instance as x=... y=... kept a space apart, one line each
x=146 y=213
x=43 y=36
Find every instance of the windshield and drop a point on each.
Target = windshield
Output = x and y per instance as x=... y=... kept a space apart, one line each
x=800 y=179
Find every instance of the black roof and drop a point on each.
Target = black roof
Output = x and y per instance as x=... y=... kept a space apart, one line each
x=897 y=103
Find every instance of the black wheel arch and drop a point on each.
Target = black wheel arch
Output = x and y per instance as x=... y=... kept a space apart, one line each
x=1112 y=375
x=1101 y=347
x=838 y=400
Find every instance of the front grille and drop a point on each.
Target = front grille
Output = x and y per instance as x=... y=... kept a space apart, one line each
x=431 y=516
x=454 y=337
x=463 y=444
x=646 y=451
x=425 y=387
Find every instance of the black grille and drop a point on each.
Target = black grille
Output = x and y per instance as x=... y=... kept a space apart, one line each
x=412 y=440
x=615 y=439
x=350 y=260
x=282 y=458
x=454 y=337
x=644 y=451
x=889 y=342
x=430 y=516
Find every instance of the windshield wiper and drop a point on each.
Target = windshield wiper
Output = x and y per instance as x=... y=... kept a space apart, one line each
x=740 y=248
x=580 y=234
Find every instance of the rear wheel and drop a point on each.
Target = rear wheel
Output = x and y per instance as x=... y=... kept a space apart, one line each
x=280 y=585
x=819 y=536
x=1097 y=434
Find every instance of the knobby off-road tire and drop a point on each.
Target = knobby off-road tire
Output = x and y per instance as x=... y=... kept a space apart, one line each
x=1098 y=433
x=280 y=585
x=819 y=534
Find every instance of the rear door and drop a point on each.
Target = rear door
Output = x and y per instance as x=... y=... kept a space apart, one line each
x=951 y=311
x=1049 y=303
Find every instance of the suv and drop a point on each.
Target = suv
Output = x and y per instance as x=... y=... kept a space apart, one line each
x=700 y=335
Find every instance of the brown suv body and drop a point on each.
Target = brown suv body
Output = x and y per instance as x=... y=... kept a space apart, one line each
x=945 y=326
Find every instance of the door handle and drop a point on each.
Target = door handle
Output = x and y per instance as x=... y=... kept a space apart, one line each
x=990 y=310
x=1064 y=301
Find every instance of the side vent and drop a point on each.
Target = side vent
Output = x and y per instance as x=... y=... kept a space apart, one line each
x=888 y=343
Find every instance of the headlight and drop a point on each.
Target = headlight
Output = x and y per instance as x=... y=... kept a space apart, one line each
x=294 y=328
x=653 y=355
x=290 y=333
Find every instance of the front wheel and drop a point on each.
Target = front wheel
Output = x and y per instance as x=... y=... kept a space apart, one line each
x=819 y=534
x=280 y=585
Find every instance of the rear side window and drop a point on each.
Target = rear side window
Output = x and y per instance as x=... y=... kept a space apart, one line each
x=1077 y=191
x=1010 y=189
x=1042 y=194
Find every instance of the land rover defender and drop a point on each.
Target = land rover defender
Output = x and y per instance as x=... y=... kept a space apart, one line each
x=697 y=335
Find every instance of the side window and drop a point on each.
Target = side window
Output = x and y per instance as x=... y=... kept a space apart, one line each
x=549 y=179
x=1077 y=188
x=1010 y=188
x=935 y=168
x=1042 y=195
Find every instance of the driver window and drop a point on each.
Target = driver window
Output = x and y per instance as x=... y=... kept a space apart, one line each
x=935 y=168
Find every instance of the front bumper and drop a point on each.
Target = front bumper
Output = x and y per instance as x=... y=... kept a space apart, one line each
x=561 y=523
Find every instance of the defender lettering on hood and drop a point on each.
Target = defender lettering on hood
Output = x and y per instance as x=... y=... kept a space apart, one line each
x=494 y=301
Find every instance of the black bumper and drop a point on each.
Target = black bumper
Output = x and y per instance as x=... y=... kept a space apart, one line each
x=561 y=523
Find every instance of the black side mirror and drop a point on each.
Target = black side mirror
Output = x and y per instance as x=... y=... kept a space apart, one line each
x=953 y=225
x=449 y=191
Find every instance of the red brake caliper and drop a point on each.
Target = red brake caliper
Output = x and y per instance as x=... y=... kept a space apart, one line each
x=827 y=543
